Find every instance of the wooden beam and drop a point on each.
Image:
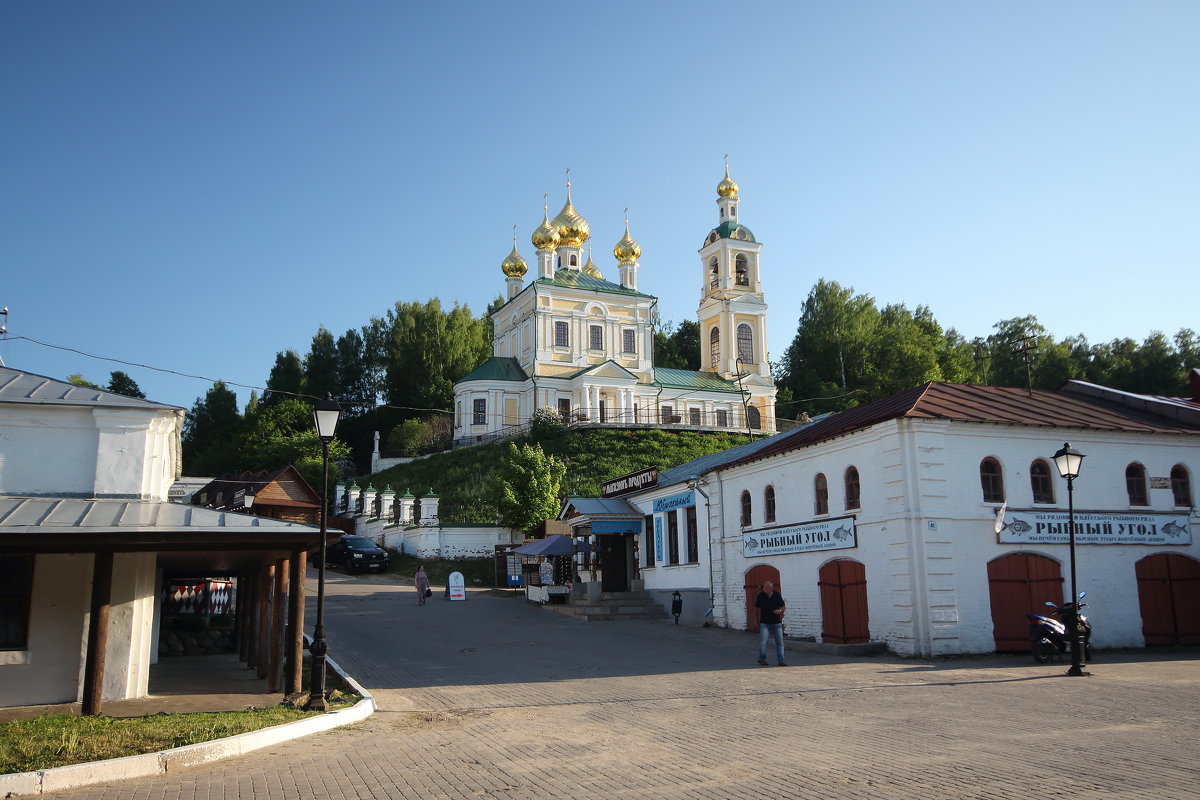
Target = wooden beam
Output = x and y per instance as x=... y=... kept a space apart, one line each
x=97 y=642
x=295 y=637
x=266 y=578
x=278 y=593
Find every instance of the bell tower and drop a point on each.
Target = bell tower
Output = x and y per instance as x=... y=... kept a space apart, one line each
x=733 y=311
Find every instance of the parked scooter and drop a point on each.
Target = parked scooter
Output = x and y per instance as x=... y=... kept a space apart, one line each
x=1048 y=636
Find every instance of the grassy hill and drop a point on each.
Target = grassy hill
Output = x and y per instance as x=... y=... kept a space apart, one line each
x=464 y=479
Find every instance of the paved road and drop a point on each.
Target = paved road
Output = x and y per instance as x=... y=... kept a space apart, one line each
x=497 y=698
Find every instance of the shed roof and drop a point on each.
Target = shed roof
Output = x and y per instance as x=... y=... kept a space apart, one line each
x=18 y=386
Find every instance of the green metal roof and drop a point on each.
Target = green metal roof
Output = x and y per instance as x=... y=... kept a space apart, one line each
x=727 y=229
x=577 y=279
x=691 y=379
x=497 y=368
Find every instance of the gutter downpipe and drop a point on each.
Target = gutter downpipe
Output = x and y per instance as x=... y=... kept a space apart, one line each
x=694 y=483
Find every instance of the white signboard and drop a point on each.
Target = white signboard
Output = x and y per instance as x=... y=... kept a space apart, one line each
x=829 y=534
x=458 y=587
x=1052 y=527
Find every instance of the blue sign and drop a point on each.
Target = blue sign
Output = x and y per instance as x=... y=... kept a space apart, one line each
x=616 y=526
x=674 y=501
x=658 y=550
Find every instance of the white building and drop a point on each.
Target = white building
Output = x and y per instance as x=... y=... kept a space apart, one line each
x=934 y=519
x=582 y=345
x=87 y=539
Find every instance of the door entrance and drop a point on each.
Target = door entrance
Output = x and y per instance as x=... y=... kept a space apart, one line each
x=1020 y=584
x=844 y=602
x=1169 y=595
x=755 y=578
x=614 y=563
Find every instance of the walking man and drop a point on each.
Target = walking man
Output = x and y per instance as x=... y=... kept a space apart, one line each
x=770 y=607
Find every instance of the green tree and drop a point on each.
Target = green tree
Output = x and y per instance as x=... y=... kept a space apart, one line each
x=430 y=349
x=120 y=383
x=210 y=433
x=678 y=347
x=530 y=487
x=77 y=379
x=282 y=433
x=904 y=350
x=321 y=366
x=286 y=379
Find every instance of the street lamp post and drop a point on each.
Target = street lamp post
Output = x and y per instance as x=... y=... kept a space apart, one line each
x=1068 y=460
x=325 y=417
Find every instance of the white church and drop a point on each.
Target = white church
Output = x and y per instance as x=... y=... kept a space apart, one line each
x=580 y=344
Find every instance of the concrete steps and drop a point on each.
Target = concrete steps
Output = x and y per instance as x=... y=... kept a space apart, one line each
x=613 y=605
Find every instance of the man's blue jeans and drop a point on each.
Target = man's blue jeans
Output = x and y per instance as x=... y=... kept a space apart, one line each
x=764 y=631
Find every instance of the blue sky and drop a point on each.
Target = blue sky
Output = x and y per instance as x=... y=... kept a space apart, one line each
x=196 y=186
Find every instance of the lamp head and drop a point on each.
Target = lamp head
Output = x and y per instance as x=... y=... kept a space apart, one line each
x=1068 y=460
x=325 y=416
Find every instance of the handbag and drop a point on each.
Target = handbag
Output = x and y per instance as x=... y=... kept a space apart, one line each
x=429 y=592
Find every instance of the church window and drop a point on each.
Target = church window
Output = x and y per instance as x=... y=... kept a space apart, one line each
x=723 y=418
x=741 y=270
x=628 y=341
x=712 y=269
x=564 y=409
x=745 y=342
x=562 y=335
x=667 y=414
x=820 y=494
x=693 y=416
x=595 y=337
x=714 y=347
x=753 y=418
x=479 y=415
x=574 y=262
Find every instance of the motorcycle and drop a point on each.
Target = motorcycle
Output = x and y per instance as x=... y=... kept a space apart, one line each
x=1048 y=636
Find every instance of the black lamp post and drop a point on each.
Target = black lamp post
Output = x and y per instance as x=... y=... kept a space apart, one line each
x=1068 y=460
x=325 y=417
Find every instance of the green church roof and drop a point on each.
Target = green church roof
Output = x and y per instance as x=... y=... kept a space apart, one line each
x=577 y=279
x=692 y=379
x=729 y=229
x=497 y=368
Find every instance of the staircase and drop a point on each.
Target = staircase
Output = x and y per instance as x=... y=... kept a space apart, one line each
x=613 y=605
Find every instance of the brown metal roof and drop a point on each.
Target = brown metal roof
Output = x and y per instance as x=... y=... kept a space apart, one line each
x=988 y=404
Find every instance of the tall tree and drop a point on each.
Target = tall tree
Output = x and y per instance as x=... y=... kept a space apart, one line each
x=210 y=432
x=677 y=347
x=321 y=366
x=120 y=383
x=286 y=379
x=429 y=350
x=530 y=486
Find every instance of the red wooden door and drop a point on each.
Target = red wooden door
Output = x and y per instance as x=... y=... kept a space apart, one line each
x=844 y=602
x=755 y=578
x=1169 y=595
x=1020 y=584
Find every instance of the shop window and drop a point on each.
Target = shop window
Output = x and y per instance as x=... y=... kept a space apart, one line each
x=991 y=480
x=693 y=540
x=820 y=494
x=1181 y=486
x=746 y=515
x=852 y=490
x=16 y=591
x=479 y=412
x=1135 y=485
x=1041 y=481
x=648 y=521
x=673 y=536
x=769 y=504
x=562 y=335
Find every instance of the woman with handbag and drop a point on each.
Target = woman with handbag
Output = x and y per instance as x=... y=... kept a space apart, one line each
x=422 y=582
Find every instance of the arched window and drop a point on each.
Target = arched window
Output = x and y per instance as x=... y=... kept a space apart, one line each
x=712 y=271
x=991 y=480
x=820 y=494
x=1135 y=484
x=745 y=509
x=745 y=342
x=1181 y=487
x=753 y=418
x=574 y=261
x=740 y=271
x=714 y=347
x=1042 y=482
x=769 y=504
x=852 y=497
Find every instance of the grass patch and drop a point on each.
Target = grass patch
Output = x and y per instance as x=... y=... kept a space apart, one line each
x=476 y=571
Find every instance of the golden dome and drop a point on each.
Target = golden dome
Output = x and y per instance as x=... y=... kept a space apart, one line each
x=545 y=236
x=727 y=187
x=514 y=266
x=627 y=250
x=573 y=230
x=590 y=267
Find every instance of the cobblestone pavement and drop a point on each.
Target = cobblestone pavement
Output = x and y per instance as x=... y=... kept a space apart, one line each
x=497 y=698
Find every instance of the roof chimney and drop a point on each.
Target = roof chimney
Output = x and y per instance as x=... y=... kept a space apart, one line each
x=1194 y=379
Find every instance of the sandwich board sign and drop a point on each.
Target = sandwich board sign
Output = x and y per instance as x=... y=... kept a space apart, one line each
x=458 y=587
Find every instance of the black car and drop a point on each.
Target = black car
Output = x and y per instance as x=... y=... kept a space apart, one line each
x=357 y=553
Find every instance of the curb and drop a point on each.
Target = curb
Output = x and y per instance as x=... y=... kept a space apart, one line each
x=74 y=776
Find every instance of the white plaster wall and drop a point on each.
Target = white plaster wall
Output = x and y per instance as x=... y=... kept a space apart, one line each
x=131 y=626
x=49 y=669
x=437 y=542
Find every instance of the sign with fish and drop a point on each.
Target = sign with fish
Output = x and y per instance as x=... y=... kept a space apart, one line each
x=1052 y=527
x=829 y=534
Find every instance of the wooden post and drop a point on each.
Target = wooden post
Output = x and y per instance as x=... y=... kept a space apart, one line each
x=265 y=580
x=97 y=643
x=295 y=638
x=251 y=643
x=275 y=665
x=242 y=620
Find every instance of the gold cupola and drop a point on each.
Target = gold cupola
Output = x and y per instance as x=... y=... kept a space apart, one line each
x=727 y=187
x=514 y=265
x=573 y=230
x=627 y=250
x=590 y=267
x=545 y=236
